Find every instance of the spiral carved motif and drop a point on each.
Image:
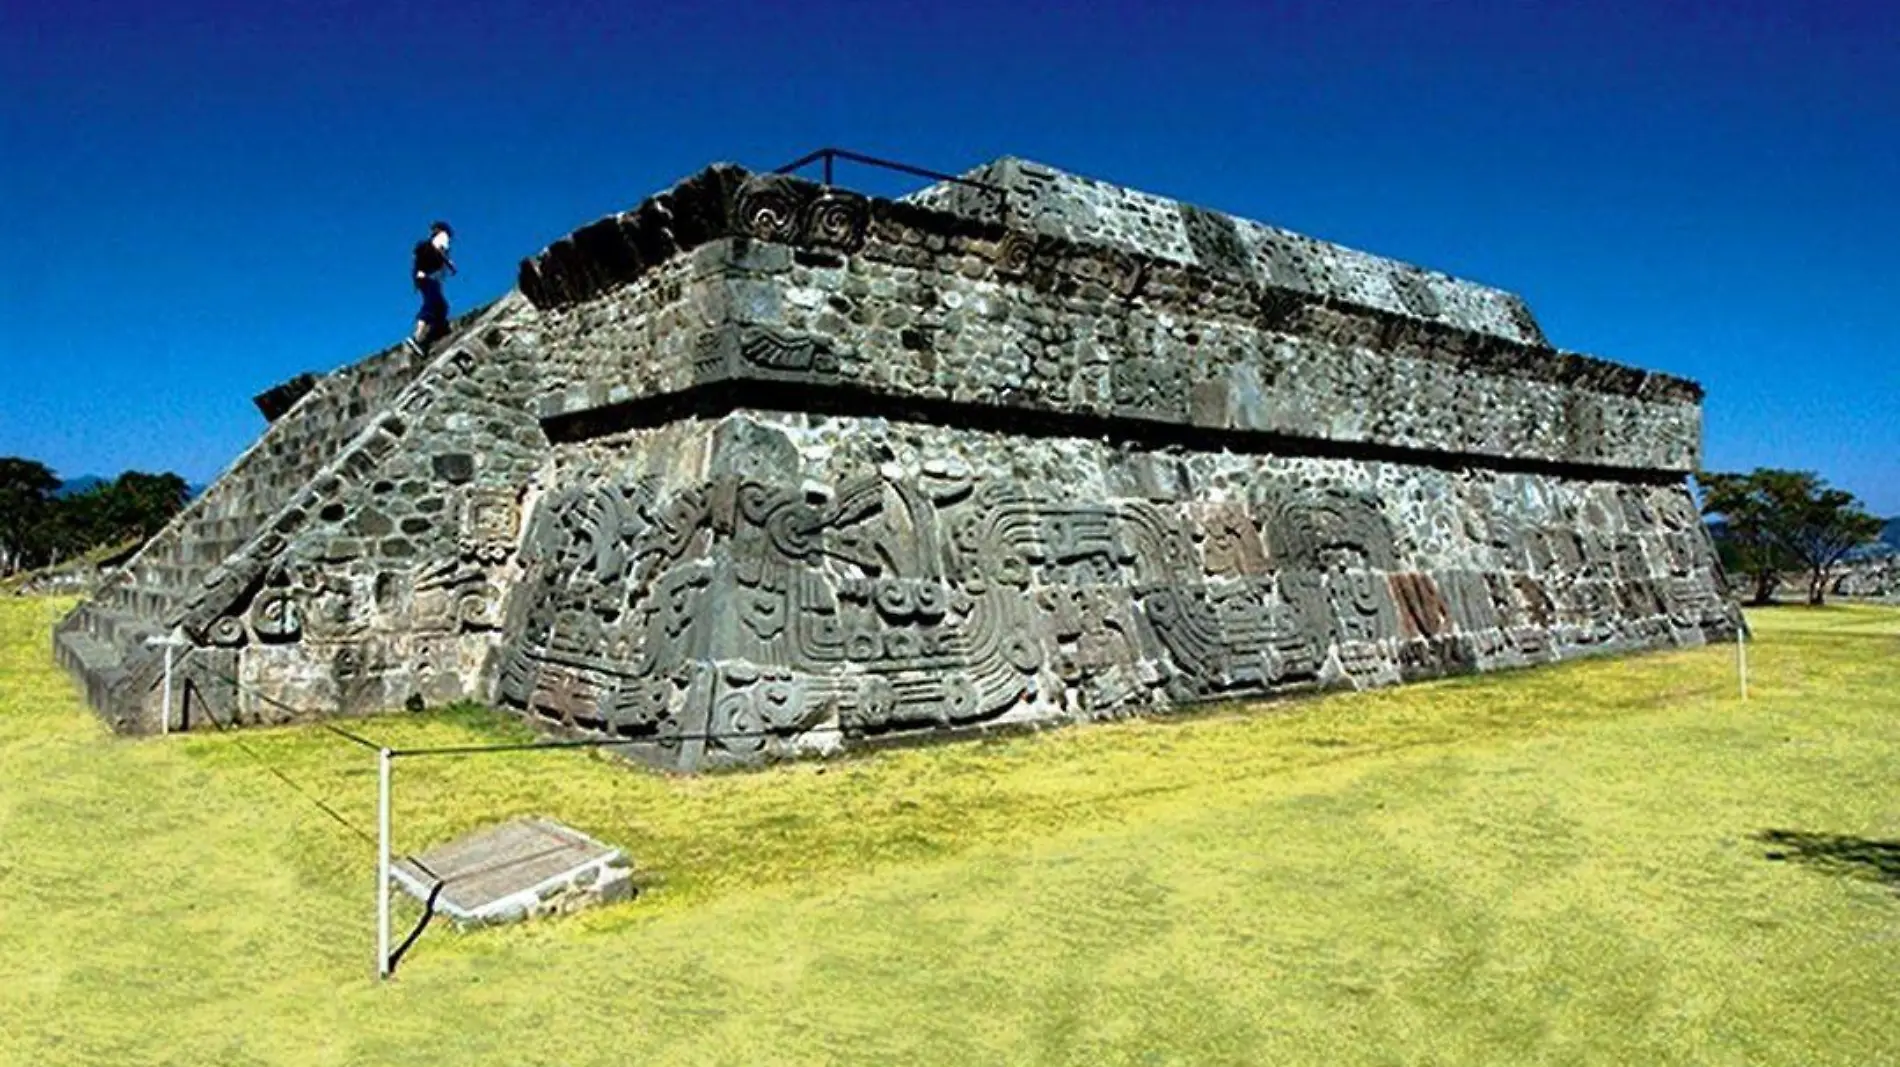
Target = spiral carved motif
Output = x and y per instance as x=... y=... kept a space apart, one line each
x=479 y=608
x=227 y=632
x=275 y=616
x=836 y=220
x=1016 y=255
x=768 y=207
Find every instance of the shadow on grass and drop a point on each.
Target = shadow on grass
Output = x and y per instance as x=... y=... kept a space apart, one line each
x=1853 y=857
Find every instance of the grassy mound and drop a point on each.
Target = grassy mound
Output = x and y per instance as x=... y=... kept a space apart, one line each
x=1612 y=861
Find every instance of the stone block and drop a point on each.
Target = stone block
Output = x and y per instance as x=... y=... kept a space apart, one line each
x=522 y=869
x=456 y=468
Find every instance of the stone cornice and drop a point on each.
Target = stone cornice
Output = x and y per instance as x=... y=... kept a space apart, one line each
x=728 y=201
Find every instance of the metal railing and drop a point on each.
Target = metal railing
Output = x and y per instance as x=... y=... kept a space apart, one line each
x=830 y=156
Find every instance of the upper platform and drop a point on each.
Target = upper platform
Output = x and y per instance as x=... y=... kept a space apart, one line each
x=1049 y=201
x=1094 y=310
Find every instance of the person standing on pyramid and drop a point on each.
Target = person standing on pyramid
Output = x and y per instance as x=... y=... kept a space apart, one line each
x=432 y=260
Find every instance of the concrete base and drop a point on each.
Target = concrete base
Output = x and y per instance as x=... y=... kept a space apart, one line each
x=521 y=869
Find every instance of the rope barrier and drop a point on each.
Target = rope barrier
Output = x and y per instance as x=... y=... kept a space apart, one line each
x=348 y=736
x=428 y=912
x=367 y=837
x=585 y=742
x=432 y=900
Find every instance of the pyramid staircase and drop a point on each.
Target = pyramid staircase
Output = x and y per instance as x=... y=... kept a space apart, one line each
x=218 y=549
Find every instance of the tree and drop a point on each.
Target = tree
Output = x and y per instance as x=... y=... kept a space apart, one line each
x=1750 y=506
x=1776 y=520
x=26 y=496
x=39 y=527
x=139 y=505
x=1825 y=528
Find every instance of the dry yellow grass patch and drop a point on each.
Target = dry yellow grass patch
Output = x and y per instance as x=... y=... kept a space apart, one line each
x=1553 y=866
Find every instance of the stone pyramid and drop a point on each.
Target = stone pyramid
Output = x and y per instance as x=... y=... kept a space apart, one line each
x=764 y=467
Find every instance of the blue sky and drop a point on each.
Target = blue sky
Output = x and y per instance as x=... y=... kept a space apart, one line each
x=198 y=200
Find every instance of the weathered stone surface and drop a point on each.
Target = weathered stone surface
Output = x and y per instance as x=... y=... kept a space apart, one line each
x=521 y=869
x=1072 y=208
x=274 y=402
x=763 y=468
x=1087 y=321
x=1876 y=580
x=333 y=600
x=776 y=583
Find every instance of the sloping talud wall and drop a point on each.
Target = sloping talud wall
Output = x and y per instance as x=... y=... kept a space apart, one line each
x=769 y=583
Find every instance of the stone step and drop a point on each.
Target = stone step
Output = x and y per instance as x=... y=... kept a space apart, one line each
x=117 y=626
x=106 y=652
x=88 y=654
x=98 y=665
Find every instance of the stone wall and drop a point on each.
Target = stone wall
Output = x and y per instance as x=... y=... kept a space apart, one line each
x=642 y=341
x=1863 y=579
x=390 y=588
x=910 y=303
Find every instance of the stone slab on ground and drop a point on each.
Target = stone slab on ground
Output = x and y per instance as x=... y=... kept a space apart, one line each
x=520 y=869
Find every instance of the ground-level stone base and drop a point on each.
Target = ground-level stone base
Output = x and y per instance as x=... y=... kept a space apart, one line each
x=521 y=869
x=761 y=584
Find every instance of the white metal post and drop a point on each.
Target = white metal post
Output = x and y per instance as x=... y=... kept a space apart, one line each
x=171 y=642
x=1741 y=657
x=382 y=863
x=165 y=702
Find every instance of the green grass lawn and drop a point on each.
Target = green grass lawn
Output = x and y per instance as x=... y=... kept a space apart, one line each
x=1567 y=865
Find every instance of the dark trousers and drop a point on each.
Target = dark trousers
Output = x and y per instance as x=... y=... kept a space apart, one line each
x=435 y=309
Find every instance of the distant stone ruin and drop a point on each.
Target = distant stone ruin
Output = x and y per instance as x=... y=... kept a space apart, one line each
x=764 y=467
x=1871 y=578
